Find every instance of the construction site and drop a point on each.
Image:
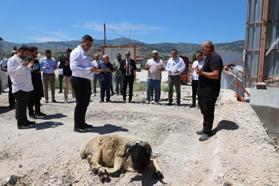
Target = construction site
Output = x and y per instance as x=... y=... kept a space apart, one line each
x=244 y=148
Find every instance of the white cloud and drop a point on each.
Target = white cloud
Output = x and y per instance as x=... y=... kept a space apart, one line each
x=122 y=28
x=47 y=35
x=45 y=38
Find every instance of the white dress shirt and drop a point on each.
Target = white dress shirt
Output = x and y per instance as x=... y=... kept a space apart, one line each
x=20 y=75
x=80 y=63
x=198 y=64
x=175 y=66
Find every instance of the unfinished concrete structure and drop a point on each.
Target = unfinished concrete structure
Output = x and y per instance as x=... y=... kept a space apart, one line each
x=261 y=63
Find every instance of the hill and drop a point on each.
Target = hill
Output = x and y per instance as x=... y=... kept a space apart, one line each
x=61 y=46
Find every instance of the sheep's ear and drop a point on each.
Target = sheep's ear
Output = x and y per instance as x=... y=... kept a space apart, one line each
x=148 y=148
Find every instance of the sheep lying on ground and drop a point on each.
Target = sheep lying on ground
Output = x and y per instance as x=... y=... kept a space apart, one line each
x=108 y=154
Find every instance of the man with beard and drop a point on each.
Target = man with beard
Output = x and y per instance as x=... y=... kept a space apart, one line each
x=38 y=91
x=209 y=87
x=19 y=70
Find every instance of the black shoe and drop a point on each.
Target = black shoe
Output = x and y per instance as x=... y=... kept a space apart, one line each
x=192 y=106
x=108 y=100
x=54 y=101
x=24 y=127
x=32 y=116
x=40 y=114
x=27 y=122
x=178 y=104
x=86 y=126
x=199 y=132
x=80 y=130
x=170 y=103
x=11 y=106
x=204 y=137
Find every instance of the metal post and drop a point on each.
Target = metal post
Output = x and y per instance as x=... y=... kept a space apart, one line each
x=105 y=35
x=260 y=77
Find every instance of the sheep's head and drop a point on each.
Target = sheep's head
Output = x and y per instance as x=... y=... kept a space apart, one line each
x=140 y=153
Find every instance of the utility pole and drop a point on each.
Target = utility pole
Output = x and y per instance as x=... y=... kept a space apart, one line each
x=105 y=35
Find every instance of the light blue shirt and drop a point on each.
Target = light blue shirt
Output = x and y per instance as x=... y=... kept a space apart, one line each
x=175 y=66
x=80 y=63
x=48 y=65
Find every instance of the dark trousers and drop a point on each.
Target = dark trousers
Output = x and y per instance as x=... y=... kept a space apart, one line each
x=22 y=99
x=119 y=84
x=60 y=77
x=174 y=81
x=105 y=90
x=195 y=84
x=128 y=80
x=82 y=88
x=11 y=96
x=95 y=79
x=34 y=102
x=207 y=105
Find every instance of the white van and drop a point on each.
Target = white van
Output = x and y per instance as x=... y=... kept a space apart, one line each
x=3 y=75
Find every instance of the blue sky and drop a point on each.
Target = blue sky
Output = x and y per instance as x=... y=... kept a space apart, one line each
x=150 y=21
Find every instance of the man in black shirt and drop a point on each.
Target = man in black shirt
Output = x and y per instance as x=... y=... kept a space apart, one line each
x=38 y=91
x=209 y=87
x=67 y=73
x=128 y=67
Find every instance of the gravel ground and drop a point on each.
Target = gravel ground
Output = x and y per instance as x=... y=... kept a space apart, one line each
x=240 y=153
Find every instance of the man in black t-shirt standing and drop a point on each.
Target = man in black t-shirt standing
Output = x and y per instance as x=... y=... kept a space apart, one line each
x=209 y=87
x=67 y=73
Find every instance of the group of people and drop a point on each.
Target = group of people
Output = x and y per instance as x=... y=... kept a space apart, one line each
x=79 y=68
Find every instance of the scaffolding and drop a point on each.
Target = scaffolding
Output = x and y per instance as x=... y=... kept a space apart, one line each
x=262 y=30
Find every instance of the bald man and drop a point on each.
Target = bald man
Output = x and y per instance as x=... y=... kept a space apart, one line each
x=209 y=87
x=105 y=78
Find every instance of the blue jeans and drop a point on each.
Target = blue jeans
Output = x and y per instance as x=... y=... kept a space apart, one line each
x=153 y=85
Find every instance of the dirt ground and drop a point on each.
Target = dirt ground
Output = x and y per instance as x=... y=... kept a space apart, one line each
x=240 y=153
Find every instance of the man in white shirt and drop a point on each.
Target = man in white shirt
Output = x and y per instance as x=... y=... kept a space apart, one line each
x=82 y=69
x=175 y=66
x=198 y=63
x=154 y=66
x=19 y=70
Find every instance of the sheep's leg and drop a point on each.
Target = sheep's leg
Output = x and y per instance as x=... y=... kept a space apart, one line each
x=158 y=172
x=104 y=172
x=118 y=161
x=94 y=162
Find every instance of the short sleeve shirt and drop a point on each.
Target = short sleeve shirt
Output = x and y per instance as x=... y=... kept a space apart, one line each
x=211 y=87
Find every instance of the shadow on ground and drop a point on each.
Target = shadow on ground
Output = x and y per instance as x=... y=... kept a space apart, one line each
x=46 y=125
x=5 y=109
x=225 y=125
x=54 y=116
x=108 y=128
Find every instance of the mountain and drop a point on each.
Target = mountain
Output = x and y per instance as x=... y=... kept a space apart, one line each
x=143 y=48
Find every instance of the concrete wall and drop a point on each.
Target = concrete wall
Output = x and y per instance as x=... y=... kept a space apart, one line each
x=268 y=97
x=265 y=102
